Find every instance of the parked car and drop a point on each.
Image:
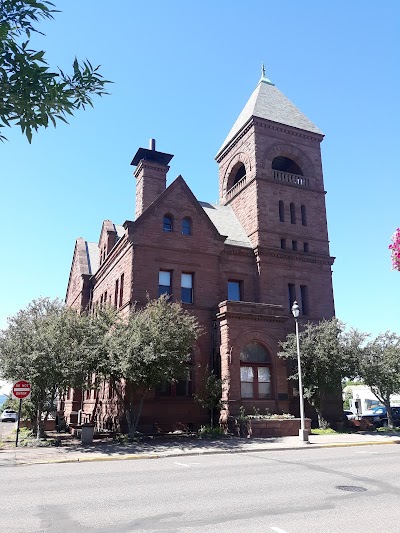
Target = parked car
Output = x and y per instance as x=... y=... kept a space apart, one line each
x=9 y=415
x=381 y=419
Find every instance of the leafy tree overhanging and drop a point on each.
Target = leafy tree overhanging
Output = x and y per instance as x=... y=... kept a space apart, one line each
x=31 y=95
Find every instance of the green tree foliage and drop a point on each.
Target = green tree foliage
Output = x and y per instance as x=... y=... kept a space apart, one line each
x=152 y=346
x=31 y=95
x=209 y=395
x=328 y=354
x=379 y=367
x=53 y=348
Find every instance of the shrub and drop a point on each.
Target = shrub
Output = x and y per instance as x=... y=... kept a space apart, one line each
x=208 y=431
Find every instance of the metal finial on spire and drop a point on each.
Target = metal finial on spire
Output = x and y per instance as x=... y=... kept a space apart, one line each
x=263 y=76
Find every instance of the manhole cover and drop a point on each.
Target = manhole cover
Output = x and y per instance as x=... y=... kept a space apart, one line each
x=351 y=488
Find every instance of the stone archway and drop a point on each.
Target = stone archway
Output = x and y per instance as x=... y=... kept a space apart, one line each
x=290 y=152
x=240 y=158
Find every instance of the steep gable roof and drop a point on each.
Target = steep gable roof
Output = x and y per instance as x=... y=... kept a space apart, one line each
x=86 y=256
x=93 y=257
x=85 y=261
x=220 y=218
x=269 y=103
x=178 y=182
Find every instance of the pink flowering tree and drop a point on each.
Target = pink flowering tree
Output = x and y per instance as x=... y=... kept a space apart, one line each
x=395 y=249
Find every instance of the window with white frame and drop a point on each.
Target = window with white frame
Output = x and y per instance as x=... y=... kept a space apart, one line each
x=255 y=372
x=187 y=288
x=164 y=282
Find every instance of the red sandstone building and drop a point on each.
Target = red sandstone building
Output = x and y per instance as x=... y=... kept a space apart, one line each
x=237 y=266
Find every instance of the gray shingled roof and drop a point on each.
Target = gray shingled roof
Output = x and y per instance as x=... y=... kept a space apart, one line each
x=93 y=256
x=120 y=230
x=268 y=102
x=227 y=223
x=93 y=252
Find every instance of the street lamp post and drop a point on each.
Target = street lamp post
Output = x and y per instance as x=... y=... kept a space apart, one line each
x=303 y=433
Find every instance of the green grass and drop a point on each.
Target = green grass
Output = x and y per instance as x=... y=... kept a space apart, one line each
x=388 y=430
x=328 y=431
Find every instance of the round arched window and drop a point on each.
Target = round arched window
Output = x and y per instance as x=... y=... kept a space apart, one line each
x=240 y=173
x=168 y=224
x=284 y=164
x=255 y=372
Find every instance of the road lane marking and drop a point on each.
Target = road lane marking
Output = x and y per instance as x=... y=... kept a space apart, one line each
x=370 y=453
x=278 y=530
x=187 y=465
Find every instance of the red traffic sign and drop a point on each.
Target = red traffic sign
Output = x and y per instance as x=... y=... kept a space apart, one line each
x=21 y=390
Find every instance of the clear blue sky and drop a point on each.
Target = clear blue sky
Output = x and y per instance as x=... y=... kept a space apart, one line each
x=182 y=72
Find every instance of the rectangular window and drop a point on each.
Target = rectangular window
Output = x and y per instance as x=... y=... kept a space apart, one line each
x=304 y=299
x=303 y=215
x=121 y=290
x=291 y=294
x=294 y=246
x=116 y=291
x=183 y=387
x=283 y=244
x=264 y=382
x=234 y=290
x=164 y=283
x=246 y=381
x=306 y=247
x=187 y=288
x=163 y=388
x=292 y=213
x=281 y=211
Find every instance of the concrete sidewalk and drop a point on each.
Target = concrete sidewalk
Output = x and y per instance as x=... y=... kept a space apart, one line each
x=73 y=451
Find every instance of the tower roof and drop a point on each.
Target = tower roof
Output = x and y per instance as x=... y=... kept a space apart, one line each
x=269 y=103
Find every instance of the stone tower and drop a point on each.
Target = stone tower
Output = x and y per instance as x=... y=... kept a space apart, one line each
x=270 y=173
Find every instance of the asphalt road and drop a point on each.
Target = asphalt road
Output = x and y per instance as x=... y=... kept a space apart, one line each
x=293 y=491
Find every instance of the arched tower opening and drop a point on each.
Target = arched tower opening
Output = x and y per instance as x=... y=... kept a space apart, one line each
x=284 y=164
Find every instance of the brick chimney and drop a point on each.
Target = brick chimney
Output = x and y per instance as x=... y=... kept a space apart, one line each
x=150 y=174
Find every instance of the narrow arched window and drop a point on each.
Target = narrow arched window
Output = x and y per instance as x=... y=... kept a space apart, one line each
x=281 y=211
x=255 y=372
x=303 y=215
x=240 y=173
x=186 y=226
x=168 y=223
x=292 y=213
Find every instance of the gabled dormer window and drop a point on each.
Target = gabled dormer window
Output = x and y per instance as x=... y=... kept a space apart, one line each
x=168 y=223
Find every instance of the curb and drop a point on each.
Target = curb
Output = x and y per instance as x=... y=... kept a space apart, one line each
x=131 y=457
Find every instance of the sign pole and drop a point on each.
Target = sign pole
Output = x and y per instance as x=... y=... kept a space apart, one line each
x=19 y=416
x=20 y=390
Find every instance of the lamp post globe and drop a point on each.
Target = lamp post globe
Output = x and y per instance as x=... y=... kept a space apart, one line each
x=295 y=309
x=303 y=433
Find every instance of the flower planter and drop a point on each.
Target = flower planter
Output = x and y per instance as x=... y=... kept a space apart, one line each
x=273 y=427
